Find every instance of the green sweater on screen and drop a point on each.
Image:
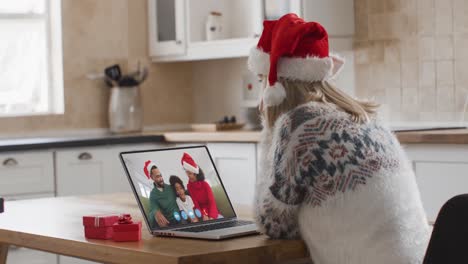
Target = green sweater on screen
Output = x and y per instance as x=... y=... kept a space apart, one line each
x=165 y=201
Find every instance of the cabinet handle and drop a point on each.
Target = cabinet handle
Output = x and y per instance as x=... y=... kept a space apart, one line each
x=10 y=162
x=178 y=42
x=85 y=156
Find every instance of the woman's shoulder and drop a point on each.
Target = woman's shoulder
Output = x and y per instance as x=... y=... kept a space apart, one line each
x=311 y=113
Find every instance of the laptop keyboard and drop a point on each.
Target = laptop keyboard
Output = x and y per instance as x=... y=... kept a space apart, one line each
x=216 y=226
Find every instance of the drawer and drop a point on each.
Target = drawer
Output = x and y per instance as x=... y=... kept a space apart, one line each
x=18 y=255
x=25 y=173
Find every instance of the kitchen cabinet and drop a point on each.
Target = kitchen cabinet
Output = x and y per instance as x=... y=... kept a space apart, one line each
x=237 y=166
x=26 y=173
x=441 y=173
x=96 y=170
x=177 y=28
x=27 y=176
x=166 y=27
x=18 y=255
x=80 y=171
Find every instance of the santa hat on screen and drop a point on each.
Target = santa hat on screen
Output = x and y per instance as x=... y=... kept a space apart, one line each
x=189 y=164
x=147 y=168
x=292 y=49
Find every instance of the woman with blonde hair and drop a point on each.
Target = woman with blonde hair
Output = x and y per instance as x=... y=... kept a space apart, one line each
x=330 y=172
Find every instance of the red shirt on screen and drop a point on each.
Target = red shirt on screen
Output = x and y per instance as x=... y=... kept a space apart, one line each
x=203 y=198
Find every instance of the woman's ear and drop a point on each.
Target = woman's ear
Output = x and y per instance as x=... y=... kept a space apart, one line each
x=338 y=63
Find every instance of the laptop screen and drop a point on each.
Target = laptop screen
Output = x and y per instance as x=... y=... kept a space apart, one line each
x=177 y=187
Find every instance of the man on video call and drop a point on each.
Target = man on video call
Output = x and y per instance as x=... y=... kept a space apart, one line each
x=162 y=199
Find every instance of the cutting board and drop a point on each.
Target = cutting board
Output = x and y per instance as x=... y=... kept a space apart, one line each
x=212 y=127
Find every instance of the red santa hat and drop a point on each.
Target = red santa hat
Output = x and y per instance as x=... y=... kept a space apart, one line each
x=147 y=168
x=292 y=49
x=189 y=164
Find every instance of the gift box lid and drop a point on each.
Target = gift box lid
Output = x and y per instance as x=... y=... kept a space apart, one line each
x=100 y=220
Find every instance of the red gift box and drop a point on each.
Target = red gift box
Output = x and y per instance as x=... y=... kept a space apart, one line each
x=99 y=226
x=127 y=230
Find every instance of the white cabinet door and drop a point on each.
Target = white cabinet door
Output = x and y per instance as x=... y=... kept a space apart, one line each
x=236 y=164
x=80 y=171
x=24 y=173
x=18 y=255
x=166 y=20
x=70 y=260
x=441 y=172
x=438 y=182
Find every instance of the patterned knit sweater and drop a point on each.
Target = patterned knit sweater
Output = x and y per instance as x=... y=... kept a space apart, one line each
x=347 y=189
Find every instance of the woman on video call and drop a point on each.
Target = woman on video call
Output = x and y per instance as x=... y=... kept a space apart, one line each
x=199 y=189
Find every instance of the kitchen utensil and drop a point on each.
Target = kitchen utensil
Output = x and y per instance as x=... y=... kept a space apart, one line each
x=127 y=81
x=113 y=72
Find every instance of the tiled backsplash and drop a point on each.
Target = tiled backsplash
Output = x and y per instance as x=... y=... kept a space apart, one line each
x=412 y=57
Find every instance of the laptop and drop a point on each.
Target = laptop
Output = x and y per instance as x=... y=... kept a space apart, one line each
x=180 y=193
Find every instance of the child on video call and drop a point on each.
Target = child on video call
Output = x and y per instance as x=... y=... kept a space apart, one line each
x=183 y=200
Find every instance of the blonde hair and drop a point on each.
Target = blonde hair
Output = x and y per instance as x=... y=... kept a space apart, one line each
x=300 y=92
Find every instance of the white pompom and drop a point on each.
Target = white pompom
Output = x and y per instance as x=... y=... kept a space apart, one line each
x=274 y=95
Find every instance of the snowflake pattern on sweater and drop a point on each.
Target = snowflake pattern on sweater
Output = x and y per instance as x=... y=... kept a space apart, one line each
x=330 y=153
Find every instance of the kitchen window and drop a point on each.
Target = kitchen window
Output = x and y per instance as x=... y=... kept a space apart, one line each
x=31 y=72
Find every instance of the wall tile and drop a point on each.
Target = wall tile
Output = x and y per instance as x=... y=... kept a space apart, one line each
x=443 y=17
x=445 y=99
x=393 y=98
x=460 y=16
x=361 y=7
x=409 y=48
x=362 y=53
x=409 y=74
x=410 y=103
x=361 y=27
x=461 y=94
x=425 y=17
x=461 y=44
x=444 y=73
x=426 y=48
x=380 y=27
x=427 y=74
x=376 y=7
x=461 y=72
x=444 y=48
x=427 y=100
x=392 y=51
x=377 y=51
x=393 y=5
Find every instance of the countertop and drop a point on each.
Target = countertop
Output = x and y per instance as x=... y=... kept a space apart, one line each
x=455 y=136
x=19 y=144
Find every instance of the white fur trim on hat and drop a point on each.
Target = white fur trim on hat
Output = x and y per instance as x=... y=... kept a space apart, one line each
x=274 y=95
x=309 y=69
x=190 y=168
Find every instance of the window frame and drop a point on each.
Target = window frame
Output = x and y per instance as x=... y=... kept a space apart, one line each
x=54 y=55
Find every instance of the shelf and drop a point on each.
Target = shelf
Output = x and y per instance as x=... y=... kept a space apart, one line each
x=218 y=49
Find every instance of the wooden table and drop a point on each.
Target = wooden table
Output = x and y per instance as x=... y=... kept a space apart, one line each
x=55 y=225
